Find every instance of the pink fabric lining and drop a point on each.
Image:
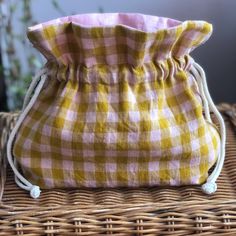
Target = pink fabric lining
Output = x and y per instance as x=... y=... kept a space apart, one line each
x=140 y=22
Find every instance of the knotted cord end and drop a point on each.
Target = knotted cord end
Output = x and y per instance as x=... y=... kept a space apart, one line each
x=35 y=191
x=209 y=187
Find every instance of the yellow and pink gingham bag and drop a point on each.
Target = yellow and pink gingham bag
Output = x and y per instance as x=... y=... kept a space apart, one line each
x=119 y=103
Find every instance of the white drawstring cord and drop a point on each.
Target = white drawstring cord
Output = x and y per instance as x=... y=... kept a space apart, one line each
x=210 y=186
x=31 y=88
x=201 y=90
x=28 y=103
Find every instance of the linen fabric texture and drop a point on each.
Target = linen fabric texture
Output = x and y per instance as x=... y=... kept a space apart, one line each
x=119 y=106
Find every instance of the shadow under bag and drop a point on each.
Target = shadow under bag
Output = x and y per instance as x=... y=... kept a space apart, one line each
x=119 y=103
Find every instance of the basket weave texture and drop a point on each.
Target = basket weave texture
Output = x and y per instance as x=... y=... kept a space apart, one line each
x=121 y=211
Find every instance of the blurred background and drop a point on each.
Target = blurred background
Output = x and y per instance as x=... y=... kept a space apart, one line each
x=19 y=60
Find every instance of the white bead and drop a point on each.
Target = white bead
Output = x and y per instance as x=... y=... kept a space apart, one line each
x=35 y=191
x=209 y=187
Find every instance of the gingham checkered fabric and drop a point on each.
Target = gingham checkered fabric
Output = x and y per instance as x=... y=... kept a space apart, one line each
x=119 y=106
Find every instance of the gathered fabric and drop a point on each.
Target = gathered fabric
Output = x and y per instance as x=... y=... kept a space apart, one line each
x=119 y=105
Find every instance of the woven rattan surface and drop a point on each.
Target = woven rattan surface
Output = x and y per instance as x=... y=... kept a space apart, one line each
x=140 y=211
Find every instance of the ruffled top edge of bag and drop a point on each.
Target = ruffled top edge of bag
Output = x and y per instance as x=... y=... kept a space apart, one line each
x=116 y=38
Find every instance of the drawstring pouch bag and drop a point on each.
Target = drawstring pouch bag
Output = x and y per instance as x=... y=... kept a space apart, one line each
x=119 y=103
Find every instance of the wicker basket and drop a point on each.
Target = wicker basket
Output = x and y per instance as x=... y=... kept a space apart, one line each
x=121 y=211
